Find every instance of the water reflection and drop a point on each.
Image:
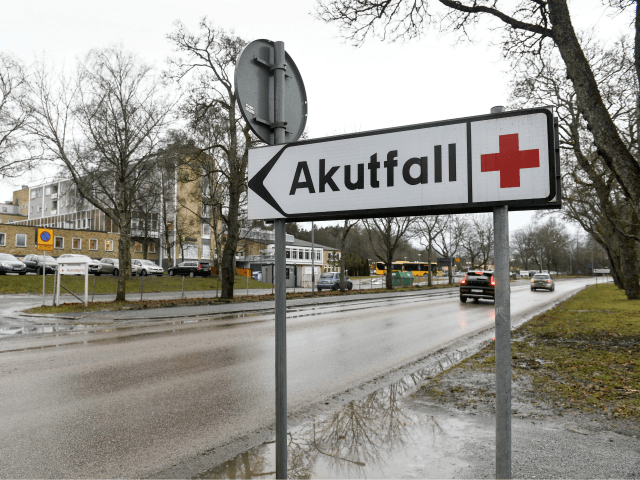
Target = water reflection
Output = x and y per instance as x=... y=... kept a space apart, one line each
x=357 y=441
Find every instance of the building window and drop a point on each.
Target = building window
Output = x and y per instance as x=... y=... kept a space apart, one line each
x=169 y=226
x=21 y=240
x=138 y=247
x=76 y=243
x=93 y=244
x=317 y=255
x=33 y=194
x=108 y=245
x=39 y=208
x=288 y=253
x=47 y=191
x=152 y=248
x=4 y=209
x=306 y=255
x=295 y=253
x=3 y=239
x=58 y=242
x=206 y=230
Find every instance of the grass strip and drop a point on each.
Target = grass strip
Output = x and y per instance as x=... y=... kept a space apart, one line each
x=239 y=298
x=580 y=356
x=107 y=284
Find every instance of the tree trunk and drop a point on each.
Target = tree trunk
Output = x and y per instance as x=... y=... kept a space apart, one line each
x=605 y=134
x=124 y=258
x=228 y=254
x=343 y=266
x=630 y=269
x=389 y=276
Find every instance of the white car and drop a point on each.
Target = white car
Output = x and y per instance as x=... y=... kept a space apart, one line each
x=147 y=267
x=94 y=266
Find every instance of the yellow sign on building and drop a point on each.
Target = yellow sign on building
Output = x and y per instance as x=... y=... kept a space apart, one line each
x=44 y=239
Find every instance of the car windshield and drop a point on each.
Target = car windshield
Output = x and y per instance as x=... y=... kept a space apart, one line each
x=147 y=262
x=81 y=258
x=7 y=257
x=47 y=259
x=326 y=275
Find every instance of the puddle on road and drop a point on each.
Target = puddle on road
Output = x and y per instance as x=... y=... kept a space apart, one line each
x=378 y=436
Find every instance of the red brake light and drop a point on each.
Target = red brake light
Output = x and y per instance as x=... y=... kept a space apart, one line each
x=463 y=281
x=493 y=281
x=548 y=281
x=478 y=273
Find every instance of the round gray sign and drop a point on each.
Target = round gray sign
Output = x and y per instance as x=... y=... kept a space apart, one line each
x=254 y=84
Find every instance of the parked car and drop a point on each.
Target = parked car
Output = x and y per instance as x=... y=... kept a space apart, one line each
x=477 y=285
x=331 y=280
x=34 y=264
x=112 y=266
x=544 y=281
x=10 y=264
x=147 y=267
x=192 y=268
x=94 y=266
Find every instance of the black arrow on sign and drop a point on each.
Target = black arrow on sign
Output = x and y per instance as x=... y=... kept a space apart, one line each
x=257 y=182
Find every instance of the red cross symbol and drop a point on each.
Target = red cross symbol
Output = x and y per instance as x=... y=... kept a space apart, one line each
x=509 y=161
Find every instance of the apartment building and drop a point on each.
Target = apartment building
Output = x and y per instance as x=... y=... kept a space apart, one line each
x=179 y=227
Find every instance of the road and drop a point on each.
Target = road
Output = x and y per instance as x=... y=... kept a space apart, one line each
x=134 y=399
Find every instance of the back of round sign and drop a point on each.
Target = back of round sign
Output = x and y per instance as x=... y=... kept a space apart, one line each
x=254 y=85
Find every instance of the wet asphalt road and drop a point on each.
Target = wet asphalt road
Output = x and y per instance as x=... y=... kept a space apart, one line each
x=134 y=403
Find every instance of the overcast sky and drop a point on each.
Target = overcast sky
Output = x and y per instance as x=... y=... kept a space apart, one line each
x=378 y=85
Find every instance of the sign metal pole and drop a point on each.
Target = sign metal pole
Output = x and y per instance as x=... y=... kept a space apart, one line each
x=280 y=285
x=44 y=273
x=503 y=337
x=86 y=284
x=503 y=342
x=313 y=262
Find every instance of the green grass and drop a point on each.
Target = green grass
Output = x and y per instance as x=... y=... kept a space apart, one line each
x=581 y=355
x=238 y=298
x=13 y=284
x=589 y=348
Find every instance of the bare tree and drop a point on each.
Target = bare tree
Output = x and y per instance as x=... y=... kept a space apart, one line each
x=14 y=114
x=206 y=71
x=385 y=236
x=427 y=229
x=527 y=27
x=105 y=127
x=594 y=198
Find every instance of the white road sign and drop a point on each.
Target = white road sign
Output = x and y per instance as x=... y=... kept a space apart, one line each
x=463 y=165
x=73 y=268
x=601 y=270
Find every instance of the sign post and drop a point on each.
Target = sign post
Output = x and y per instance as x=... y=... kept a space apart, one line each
x=44 y=243
x=274 y=108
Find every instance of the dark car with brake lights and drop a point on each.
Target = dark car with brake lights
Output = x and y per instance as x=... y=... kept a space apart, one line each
x=10 y=264
x=193 y=268
x=477 y=285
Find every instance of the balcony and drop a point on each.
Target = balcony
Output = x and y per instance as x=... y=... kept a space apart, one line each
x=54 y=211
x=54 y=196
